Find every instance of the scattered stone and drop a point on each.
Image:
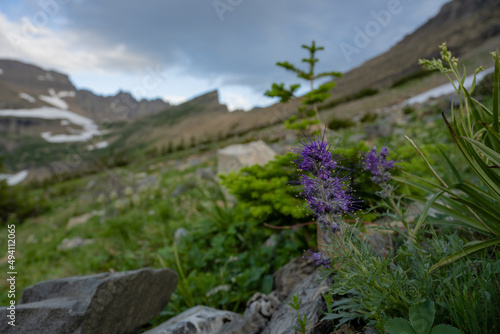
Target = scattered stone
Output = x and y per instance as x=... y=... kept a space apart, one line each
x=271 y=242
x=147 y=182
x=198 y=320
x=80 y=220
x=179 y=234
x=91 y=184
x=98 y=304
x=380 y=241
x=369 y=330
x=178 y=191
x=72 y=243
x=312 y=306
x=344 y=329
x=378 y=130
x=217 y=289
x=205 y=173
x=233 y=157
x=356 y=138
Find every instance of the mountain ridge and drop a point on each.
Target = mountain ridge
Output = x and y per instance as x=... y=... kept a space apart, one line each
x=33 y=81
x=470 y=27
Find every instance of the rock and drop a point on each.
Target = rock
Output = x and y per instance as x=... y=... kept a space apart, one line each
x=271 y=242
x=291 y=274
x=312 y=306
x=233 y=157
x=198 y=320
x=356 y=138
x=179 y=234
x=105 y=303
x=259 y=311
x=147 y=182
x=73 y=243
x=205 y=173
x=178 y=191
x=79 y=220
x=382 y=130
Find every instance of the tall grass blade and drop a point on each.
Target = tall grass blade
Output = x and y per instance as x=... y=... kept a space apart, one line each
x=466 y=251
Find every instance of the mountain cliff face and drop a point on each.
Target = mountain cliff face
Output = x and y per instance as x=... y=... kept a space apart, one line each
x=25 y=86
x=463 y=24
x=470 y=28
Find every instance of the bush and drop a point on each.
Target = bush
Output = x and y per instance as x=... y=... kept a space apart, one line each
x=268 y=192
x=340 y=123
x=369 y=117
x=415 y=75
x=348 y=98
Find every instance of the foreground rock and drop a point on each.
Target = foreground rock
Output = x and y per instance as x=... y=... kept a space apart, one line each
x=103 y=303
x=198 y=320
x=313 y=305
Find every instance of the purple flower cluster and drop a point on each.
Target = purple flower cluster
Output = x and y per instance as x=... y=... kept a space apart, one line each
x=319 y=259
x=326 y=192
x=378 y=165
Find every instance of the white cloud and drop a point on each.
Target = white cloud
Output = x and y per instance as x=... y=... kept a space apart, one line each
x=61 y=50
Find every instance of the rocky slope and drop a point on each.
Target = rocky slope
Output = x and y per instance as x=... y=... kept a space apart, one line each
x=470 y=27
x=463 y=24
x=25 y=86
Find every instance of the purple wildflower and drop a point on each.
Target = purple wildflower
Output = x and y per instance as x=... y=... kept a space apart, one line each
x=378 y=165
x=327 y=193
x=315 y=157
x=319 y=259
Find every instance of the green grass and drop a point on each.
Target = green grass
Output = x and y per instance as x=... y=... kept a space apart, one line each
x=140 y=231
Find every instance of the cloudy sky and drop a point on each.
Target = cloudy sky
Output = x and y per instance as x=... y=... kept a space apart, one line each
x=178 y=49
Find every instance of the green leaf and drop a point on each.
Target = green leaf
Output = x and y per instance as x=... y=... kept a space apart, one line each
x=465 y=252
x=445 y=329
x=422 y=316
x=496 y=92
x=494 y=156
x=424 y=212
x=487 y=176
x=399 y=326
x=451 y=165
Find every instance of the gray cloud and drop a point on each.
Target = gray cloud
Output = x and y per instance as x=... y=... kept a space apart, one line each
x=243 y=47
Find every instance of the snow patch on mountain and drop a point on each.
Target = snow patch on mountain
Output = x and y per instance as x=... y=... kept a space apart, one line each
x=98 y=146
x=446 y=88
x=66 y=93
x=13 y=179
x=54 y=99
x=90 y=129
x=45 y=77
x=27 y=97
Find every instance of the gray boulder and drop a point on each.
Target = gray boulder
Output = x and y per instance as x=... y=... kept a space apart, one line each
x=198 y=320
x=105 y=303
x=234 y=157
x=261 y=308
x=313 y=305
x=292 y=274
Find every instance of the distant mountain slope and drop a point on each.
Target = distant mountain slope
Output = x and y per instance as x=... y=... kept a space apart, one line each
x=463 y=24
x=470 y=27
x=466 y=25
x=25 y=86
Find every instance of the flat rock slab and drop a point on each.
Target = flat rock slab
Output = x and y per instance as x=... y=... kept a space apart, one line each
x=309 y=291
x=117 y=303
x=198 y=320
x=234 y=157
